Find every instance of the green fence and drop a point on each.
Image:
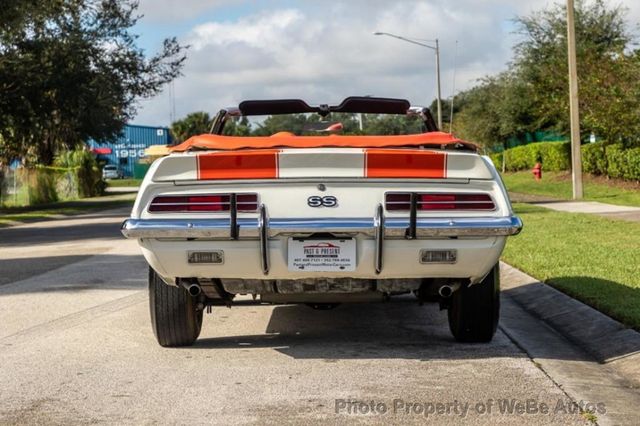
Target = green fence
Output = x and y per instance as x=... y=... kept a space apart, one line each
x=140 y=170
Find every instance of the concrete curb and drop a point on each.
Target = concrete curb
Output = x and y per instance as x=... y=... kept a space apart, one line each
x=607 y=340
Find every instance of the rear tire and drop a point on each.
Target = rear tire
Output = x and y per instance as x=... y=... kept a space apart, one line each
x=475 y=310
x=174 y=317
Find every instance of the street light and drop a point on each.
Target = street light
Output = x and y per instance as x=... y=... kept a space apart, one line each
x=436 y=48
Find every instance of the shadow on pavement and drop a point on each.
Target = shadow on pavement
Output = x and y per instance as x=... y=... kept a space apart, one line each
x=404 y=329
x=60 y=232
x=72 y=273
x=12 y=270
x=400 y=330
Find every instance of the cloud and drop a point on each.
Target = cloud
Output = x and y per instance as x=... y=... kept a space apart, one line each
x=323 y=52
x=177 y=10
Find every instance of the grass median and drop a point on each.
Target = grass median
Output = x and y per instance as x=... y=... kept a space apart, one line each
x=558 y=185
x=10 y=216
x=594 y=259
x=123 y=183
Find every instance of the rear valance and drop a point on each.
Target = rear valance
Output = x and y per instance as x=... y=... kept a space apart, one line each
x=321 y=163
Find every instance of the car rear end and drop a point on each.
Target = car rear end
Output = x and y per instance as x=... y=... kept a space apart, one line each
x=294 y=213
x=246 y=217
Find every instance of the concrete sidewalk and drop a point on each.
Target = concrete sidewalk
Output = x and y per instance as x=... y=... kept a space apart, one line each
x=611 y=369
x=121 y=189
x=594 y=207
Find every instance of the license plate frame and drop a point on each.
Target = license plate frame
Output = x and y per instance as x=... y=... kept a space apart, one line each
x=321 y=255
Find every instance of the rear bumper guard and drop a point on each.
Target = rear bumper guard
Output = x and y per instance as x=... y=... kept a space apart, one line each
x=378 y=228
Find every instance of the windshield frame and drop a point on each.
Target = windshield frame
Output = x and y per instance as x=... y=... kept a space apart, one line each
x=363 y=105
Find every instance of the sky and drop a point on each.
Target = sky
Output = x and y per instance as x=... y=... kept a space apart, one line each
x=324 y=51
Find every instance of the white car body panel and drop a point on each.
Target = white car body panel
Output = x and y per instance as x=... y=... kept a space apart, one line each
x=242 y=259
x=338 y=172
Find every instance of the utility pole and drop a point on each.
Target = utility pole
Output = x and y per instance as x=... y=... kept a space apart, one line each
x=576 y=155
x=453 y=87
x=438 y=83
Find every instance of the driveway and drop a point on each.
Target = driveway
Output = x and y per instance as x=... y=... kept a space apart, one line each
x=76 y=346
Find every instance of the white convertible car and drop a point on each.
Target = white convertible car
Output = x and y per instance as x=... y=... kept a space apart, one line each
x=356 y=202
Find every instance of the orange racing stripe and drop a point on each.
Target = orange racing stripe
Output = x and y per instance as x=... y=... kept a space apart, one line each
x=399 y=163
x=259 y=164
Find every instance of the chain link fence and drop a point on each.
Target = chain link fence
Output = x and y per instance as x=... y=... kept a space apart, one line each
x=27 y=187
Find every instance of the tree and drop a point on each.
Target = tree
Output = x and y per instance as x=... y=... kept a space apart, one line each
x=392 y=125
x=193 y=124
x=495 y=111
x=533 y=94
x=70 y=70
x=608 y=69
x=294 y=123
x=310 y=124
x=237 y=126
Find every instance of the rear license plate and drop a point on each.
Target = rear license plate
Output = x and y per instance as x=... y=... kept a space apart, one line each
x=322 y=255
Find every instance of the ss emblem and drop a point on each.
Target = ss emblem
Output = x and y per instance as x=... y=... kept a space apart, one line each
x=318 y=201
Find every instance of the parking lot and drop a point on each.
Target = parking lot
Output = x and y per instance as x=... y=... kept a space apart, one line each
x=76 y=346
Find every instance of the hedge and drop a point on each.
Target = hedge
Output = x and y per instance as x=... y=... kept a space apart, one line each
x=554 y=156
x=594 y=159
x=622 y=163
x=497 y=157
x=597 y=158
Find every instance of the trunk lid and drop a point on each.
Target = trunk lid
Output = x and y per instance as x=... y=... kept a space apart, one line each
x=373 y=163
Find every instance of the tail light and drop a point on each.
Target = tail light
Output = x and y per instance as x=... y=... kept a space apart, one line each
x=401 y=201
x=204 y=203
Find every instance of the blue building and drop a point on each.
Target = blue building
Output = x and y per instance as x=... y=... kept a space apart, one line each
x=127 y=151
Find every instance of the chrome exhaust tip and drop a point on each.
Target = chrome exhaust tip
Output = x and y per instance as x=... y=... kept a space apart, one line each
x=194 y=290
x=447 y=290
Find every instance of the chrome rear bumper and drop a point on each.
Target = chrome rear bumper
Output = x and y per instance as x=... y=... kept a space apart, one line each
x=251 y=228
x=377 y=227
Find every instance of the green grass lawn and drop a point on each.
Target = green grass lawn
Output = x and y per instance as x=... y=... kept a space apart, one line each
x=66 y=208
x=124 y=182
x=558 y=185
x=594 y=259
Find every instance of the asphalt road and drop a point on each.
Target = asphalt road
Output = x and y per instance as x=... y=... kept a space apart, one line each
x=76 y=346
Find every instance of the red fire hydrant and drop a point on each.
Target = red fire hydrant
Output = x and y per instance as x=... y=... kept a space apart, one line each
x=537 y=171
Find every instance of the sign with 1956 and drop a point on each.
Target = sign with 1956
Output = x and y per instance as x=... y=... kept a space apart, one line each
x=133 y=153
